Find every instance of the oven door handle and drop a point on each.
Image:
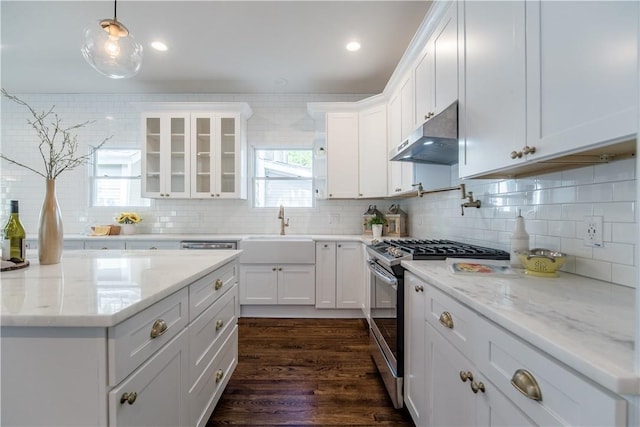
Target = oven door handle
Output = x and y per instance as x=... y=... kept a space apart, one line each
x=383 y=276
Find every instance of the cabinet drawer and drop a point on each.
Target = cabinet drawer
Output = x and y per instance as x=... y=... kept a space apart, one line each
x=103 y=244
x=566 y=397
x=131 y=342
x=204 y=395
x=157 y=391
x=208 y=331
x=452 y=319
x=206 y=290
x=152 y=244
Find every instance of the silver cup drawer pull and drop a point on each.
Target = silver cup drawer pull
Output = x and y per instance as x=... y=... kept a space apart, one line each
x=158 y=328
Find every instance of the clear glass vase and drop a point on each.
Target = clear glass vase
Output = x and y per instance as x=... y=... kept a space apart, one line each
x=50 y=233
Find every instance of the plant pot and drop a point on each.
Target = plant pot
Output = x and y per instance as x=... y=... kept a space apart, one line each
x=128 y=228
x=377 y=230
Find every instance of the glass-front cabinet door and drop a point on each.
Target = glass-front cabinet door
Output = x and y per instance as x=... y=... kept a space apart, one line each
x=215 y=162
x=166 y=159
x=228 y=173
x=202 y=157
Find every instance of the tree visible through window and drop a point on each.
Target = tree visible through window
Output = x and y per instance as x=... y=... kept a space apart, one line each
x=116 y=178
x=283 y=177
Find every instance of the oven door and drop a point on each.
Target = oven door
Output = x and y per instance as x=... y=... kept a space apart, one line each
x=386 y=328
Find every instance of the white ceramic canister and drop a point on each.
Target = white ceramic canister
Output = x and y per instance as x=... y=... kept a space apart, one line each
x=519 y=241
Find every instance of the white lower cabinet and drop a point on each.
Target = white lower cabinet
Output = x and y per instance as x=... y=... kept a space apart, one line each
x=414 y=363
x=466 y=370
x=339 y=280
x=104 y=245
x=292 y=284
x=205 y=393
x=156 y=393
x=458 y=394
x=566 y=398
x=152 y=244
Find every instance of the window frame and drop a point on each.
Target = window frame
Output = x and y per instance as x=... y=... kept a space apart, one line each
x=254 y=178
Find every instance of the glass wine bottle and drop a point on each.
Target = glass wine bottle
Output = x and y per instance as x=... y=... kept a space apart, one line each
x=14 y=241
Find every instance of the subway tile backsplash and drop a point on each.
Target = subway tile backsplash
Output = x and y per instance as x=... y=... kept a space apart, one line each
x=554 y=204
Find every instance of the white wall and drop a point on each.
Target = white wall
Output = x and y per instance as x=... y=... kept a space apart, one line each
x=554 y=205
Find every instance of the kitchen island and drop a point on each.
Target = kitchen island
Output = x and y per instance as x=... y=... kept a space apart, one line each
x=119 y=338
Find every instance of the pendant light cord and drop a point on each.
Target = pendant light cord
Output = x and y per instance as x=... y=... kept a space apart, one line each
x=115 y=10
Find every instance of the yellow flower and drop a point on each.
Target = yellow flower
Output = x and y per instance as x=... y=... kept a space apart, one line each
x=128 y=218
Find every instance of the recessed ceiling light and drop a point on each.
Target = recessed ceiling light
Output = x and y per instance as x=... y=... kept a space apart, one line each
x=353 y=46
x=159 y=46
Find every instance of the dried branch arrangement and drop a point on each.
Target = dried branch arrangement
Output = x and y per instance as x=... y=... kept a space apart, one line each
x=58 y=145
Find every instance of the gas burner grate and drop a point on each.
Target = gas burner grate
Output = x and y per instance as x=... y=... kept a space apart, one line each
x=432 y=249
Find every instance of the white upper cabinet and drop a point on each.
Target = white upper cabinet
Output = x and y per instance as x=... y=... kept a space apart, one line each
x=194 y=150
x=544 y=79
x=436 y=72
x=217 y=157
x=352 y=148
x=394 y=138
x=406 y=102
x=582 y=73
x=425 y=86
x=401 y=123
x=492 y=76
x=166 y=149
x=373 y=153
x=445 y=53
x=342 y=155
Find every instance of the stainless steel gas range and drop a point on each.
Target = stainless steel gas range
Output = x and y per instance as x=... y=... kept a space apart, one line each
x=387 y=297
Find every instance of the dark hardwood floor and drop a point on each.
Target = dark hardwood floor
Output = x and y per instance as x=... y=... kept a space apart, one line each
x=305 y=372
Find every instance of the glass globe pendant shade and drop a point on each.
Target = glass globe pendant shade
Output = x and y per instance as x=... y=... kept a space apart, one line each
x=111 y=49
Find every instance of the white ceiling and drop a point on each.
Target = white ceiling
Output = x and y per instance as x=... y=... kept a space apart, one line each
x=214 y=46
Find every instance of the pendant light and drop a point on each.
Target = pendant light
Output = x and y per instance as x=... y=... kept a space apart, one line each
x=109 y=47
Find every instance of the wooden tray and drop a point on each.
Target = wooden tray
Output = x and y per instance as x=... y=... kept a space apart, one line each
x=16 y=266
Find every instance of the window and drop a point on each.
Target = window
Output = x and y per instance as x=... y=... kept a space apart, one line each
x=116 y=178
x=283 y=177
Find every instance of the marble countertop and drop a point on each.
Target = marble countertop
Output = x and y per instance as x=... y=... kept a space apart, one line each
x=99 y=288
x=587 y=324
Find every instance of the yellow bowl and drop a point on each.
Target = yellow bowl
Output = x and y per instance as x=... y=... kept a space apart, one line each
x=541 y=262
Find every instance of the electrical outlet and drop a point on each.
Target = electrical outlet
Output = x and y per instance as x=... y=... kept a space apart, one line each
x=593 y=231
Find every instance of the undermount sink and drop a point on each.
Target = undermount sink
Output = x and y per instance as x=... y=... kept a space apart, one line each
x=269 y=249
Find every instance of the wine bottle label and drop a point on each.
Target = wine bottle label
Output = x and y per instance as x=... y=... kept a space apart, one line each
x=14 y=249
x=6 y=249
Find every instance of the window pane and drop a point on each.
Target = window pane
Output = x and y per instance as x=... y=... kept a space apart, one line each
x=118 y=192
x=116 y=178
x=291 y=193
x=117 y=162
x=284 y=163
x=283 y=177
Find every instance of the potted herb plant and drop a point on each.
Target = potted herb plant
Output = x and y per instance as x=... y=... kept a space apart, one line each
x=376 y=224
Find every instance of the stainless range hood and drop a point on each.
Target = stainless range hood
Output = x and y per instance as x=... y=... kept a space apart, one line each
x=435 y=141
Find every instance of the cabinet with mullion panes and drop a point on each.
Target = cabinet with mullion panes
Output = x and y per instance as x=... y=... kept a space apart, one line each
x=216 y=157
x=166 y=155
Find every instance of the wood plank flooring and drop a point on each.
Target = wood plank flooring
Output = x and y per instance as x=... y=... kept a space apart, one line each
x=305 y=372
